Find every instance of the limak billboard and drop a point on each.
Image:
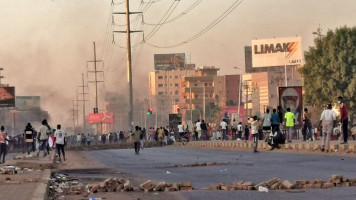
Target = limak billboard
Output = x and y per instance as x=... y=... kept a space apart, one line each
x=7 y=96
x=277 y=52
x=169 y=61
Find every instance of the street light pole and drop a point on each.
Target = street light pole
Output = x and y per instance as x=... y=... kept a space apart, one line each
x=285 y=69
x=204 y=100
x=239 y=104
x=190 y=102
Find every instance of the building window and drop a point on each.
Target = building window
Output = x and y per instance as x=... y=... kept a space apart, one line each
x=165 y=76
x=170 y=84
x=176 y=84
x=160 y=93
x=176 y=76
x=160 y=85
x=210 y=84
x=170 y=76
x=177 y=92
x=165 y=85
x=171 y=92
x=160 y=77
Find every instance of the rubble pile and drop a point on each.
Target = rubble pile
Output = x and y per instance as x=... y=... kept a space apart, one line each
x=278 y=184
x=61 y=185
x=11 y=169
x=121 y=145
x=122 y=185
x=203 y=164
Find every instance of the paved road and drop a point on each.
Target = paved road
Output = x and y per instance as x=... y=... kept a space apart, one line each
x=157 y=164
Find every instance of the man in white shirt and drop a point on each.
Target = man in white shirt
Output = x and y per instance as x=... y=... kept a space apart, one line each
x=180 y=130
x=198 y=129
x=328 y=117
x=60 y=136
x=223 y=126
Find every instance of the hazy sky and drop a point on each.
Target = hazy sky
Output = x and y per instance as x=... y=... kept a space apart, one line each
x=45 y=44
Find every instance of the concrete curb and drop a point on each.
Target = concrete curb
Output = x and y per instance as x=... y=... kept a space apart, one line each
x=41 y=191
x=263 y=145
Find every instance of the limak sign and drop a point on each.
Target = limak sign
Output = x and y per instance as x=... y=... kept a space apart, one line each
x=277 y=52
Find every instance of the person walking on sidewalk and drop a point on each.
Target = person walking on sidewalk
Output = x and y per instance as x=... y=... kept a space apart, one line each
x=3 y=140
x=344 y=118
x=42 y=137
x=29 y=137
x=254 y=132
x=60 y=137
x=289 y=119
x=328 y=117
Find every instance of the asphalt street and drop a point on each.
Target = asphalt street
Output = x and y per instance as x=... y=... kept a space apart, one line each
x=157 y=164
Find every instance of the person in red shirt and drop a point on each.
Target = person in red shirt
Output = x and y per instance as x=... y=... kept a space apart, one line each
x=344 y=118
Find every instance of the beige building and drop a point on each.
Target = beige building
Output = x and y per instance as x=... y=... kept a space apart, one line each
x=261 y=89
x=164 y=93
x=198 y=92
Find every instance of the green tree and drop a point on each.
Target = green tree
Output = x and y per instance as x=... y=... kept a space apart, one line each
x=330 y=69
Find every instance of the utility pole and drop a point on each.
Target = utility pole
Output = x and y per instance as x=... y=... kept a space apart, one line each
x=1 y=77
x=128 y=58
x=96 y=109
x=83 y=100
x=73 y=110
x=77 y=108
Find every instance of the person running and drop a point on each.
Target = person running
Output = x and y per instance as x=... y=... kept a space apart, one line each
x=344 y=119
x=60 y=137
x=289 y=120
x=43 y=138
x=254 y=132
x=328 y=117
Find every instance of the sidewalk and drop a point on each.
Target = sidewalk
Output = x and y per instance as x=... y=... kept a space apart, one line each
x=297 y=145
x=25 y=178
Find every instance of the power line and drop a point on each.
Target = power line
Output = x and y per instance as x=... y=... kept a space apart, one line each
x=164 y=18
x=206 y=29
x=184 y=13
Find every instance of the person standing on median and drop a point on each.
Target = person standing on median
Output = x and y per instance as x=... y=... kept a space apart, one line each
x=254 y=132
x=43 y=138
x=136 y=137
x=289 y=119
x=60 y=137
x=3 y=140
x=344 y=118
x=328 y=117
x=223 y=126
